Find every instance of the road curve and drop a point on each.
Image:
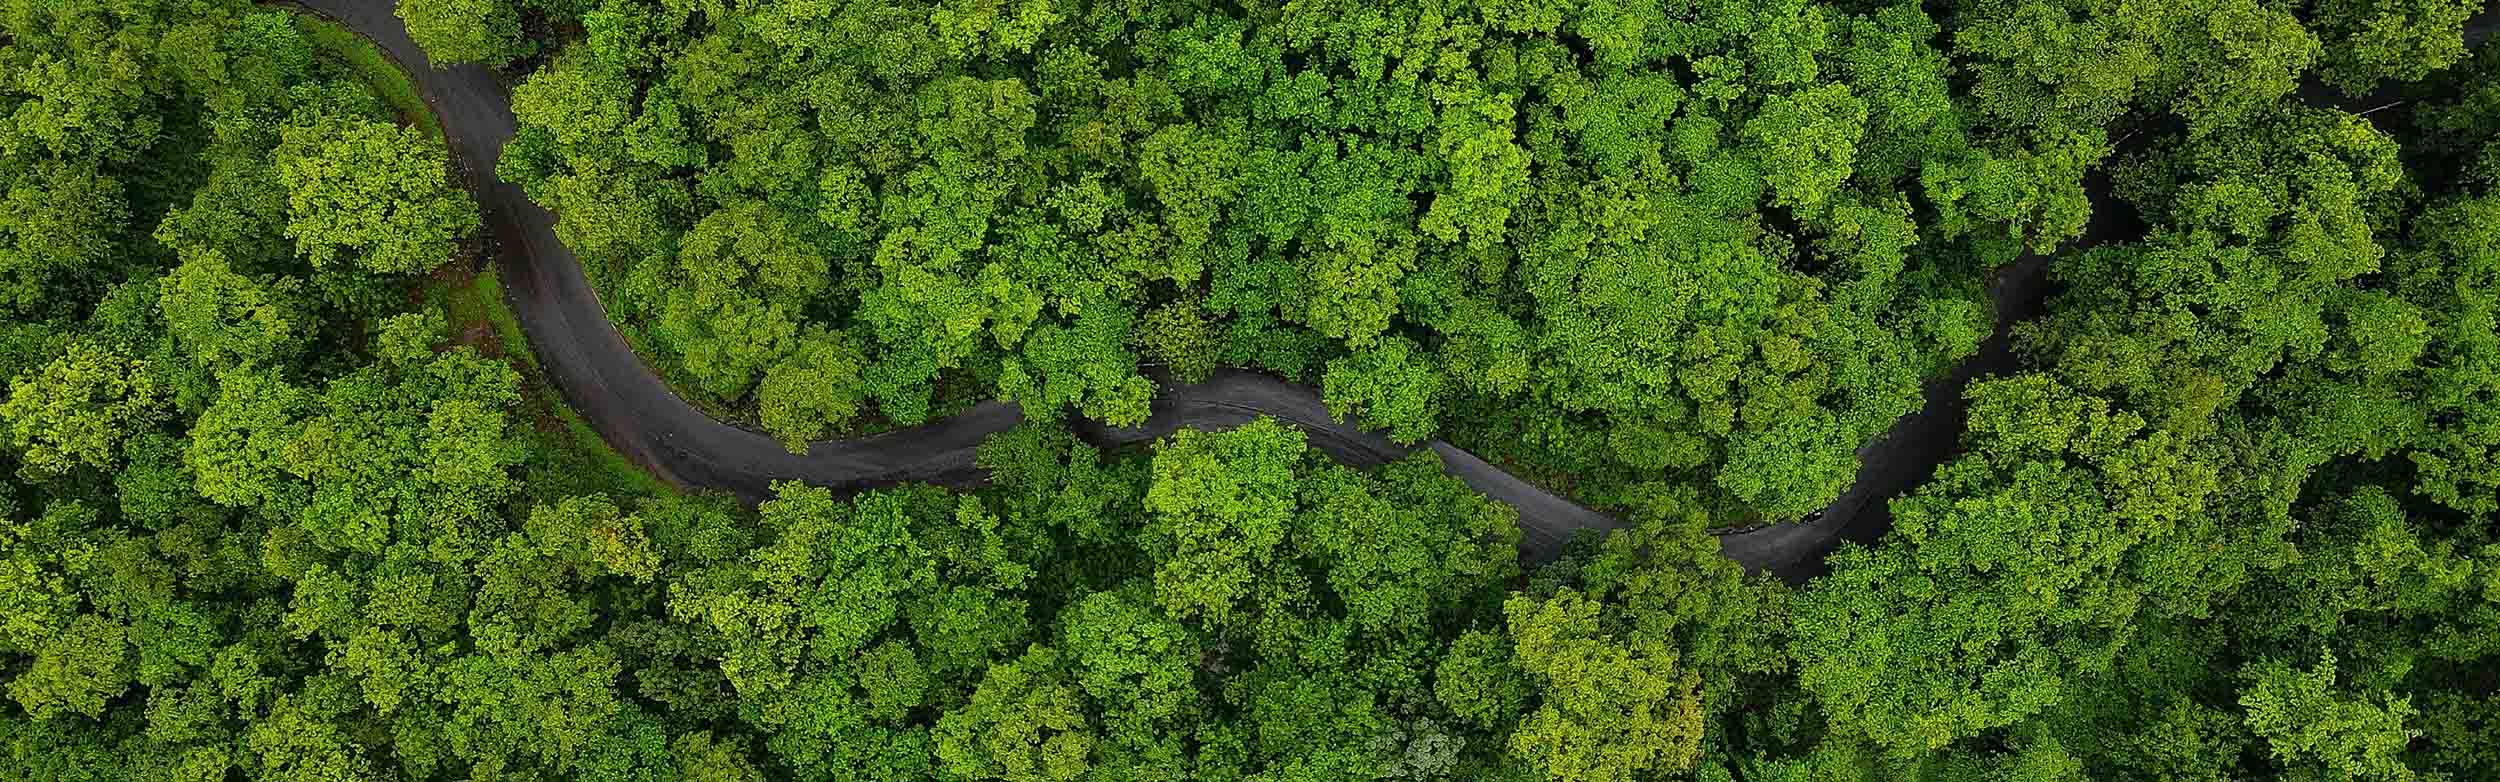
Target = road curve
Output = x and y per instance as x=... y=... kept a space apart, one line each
x=581 y=352
x=601 y=377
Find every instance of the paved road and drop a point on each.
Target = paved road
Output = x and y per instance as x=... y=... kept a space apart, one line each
x=599 y=374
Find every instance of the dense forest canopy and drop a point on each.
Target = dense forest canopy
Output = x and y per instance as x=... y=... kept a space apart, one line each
x=285 y=497
x=1619 y=243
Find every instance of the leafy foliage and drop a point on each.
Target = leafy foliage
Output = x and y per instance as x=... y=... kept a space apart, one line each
x=2210 y=534
x=2228 y=516
x=376 y=191
x=458 y=31
x=1448 y=209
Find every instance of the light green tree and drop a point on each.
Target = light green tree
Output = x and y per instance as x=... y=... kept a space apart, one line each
x=464 y=31
x=372 y=194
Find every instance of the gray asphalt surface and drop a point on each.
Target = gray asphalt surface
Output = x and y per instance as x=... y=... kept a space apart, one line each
x=602 y=378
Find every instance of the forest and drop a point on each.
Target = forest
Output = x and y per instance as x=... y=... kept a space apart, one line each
x=287 y=491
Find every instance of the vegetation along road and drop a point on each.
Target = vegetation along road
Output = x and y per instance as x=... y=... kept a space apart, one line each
x=1250 y=390
x=642 y=418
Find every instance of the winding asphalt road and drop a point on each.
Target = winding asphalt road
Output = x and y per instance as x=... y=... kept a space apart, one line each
x=600 y=375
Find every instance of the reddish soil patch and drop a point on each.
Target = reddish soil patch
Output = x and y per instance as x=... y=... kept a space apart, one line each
x=480 y=335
